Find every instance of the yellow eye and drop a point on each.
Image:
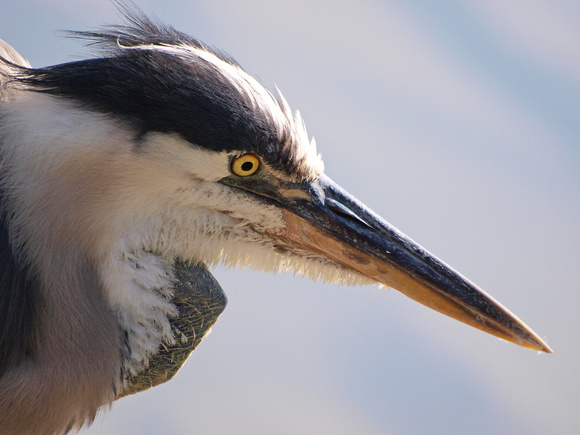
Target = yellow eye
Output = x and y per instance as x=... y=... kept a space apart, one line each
x=246 y=164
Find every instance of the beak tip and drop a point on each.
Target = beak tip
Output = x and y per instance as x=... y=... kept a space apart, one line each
x=545 y=348
x=532 y=341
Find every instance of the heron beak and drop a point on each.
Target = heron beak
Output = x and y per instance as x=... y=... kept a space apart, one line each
x=325 y=219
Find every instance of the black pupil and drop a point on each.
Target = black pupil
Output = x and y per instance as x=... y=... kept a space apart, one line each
x=247 y=166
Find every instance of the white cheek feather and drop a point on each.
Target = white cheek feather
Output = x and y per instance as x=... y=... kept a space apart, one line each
x=199 y=164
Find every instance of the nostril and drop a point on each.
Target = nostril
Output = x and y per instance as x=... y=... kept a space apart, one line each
x=339 y=211
x=345 y=213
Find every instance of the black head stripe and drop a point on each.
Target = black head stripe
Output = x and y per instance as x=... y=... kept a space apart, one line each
x=152 y=79
x=155 y=91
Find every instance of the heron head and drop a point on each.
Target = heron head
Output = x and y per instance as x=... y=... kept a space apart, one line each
x=186 y=155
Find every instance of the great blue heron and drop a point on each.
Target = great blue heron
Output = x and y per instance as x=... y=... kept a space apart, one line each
x=122 y=176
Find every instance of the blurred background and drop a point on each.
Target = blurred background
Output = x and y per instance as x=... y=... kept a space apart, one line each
x=457 y=121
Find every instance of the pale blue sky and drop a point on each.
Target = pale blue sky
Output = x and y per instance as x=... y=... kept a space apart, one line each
x=457 y=121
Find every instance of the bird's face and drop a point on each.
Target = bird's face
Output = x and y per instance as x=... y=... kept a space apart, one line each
x=253 y=214
x=214 y=168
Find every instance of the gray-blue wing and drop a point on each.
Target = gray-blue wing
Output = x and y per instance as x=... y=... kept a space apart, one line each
x=200 y=300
